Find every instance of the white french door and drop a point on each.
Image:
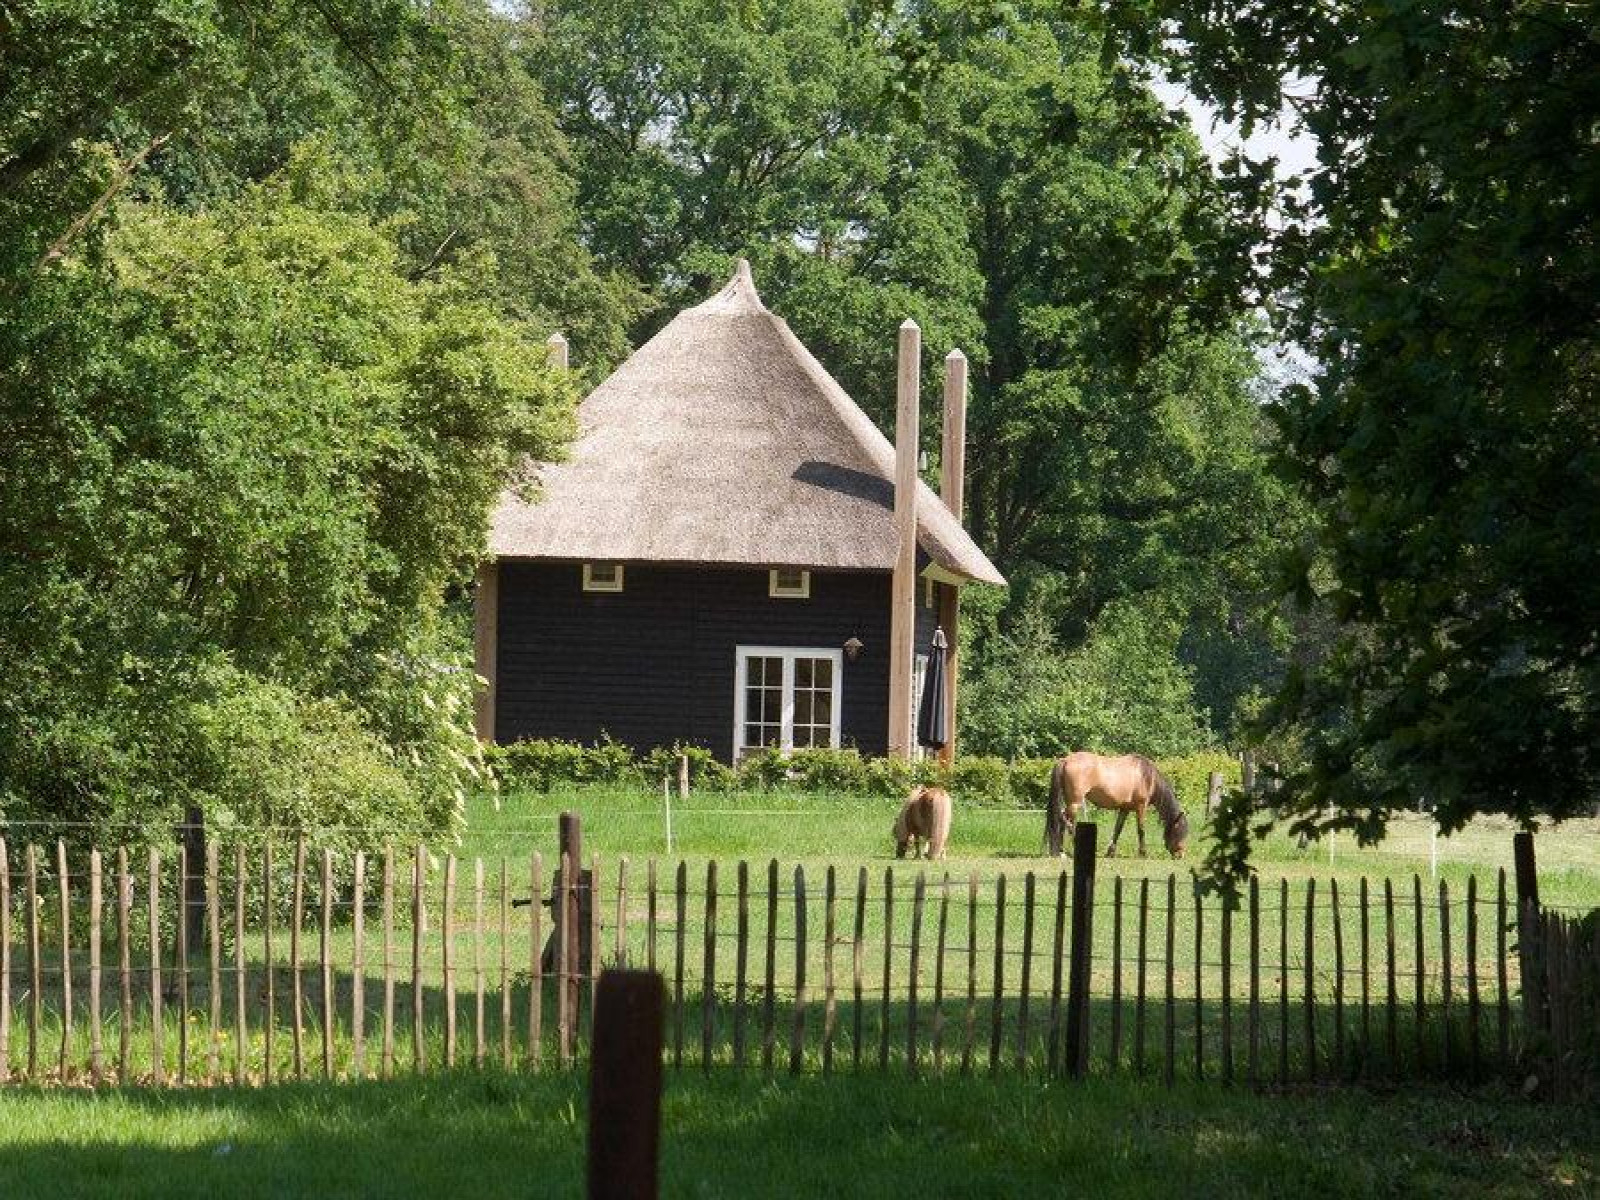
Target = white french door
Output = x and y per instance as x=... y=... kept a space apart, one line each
x=786 y=698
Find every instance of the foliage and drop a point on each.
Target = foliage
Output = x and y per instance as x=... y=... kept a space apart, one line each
x=1439 y=262
x=249 y=456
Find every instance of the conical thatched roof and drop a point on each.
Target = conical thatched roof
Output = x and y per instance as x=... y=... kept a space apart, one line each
x=722 y=440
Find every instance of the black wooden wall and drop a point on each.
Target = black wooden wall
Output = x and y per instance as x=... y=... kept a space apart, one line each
x=654 y=664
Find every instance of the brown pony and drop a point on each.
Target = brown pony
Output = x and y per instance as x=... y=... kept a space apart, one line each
x=1127 y=783
x=923 y=823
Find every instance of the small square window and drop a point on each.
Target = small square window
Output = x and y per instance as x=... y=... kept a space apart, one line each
x=789 y=583
x=602 y=577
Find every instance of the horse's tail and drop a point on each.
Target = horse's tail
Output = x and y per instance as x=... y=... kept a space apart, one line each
x=1055 y=816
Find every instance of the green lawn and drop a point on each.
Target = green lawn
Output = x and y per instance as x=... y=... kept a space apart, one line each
x=734 y=1135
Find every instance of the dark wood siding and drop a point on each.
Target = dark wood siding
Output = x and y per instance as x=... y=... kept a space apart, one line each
x=654 y=664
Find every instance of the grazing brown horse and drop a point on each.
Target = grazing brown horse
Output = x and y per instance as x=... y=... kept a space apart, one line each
x=923 y=823
x=1124 y=784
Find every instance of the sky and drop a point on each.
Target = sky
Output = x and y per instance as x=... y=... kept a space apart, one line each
x=1295 y=151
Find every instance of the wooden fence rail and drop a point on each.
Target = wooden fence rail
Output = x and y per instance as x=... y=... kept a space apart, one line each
x=1056 y=971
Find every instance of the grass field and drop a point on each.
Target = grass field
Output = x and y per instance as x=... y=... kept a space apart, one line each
x=732 y=1135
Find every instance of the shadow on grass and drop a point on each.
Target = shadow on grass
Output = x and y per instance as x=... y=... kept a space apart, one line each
x=730 y=1133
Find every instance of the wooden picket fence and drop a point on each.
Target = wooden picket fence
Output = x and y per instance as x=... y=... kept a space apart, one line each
x=246 y=967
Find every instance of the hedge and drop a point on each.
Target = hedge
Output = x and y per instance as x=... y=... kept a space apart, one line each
x=545 y=765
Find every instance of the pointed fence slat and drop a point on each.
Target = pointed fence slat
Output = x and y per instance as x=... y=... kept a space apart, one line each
x=1502 y=984
x=650 y=915
x=1474 y=999
x=158 y=1057
x=1391 y=998
x=1444 y=974
x=769 y=998
x=997 y=996
x=96 y=1031
x=972 y=974
x=1283 y=982
x=1310 y=978
x=325 y=963
x=180 y=953
x=1199 y=974
x=741 y=967
x=708 y=969
x=619 y=957
x=888 y=967
x=35 y=965
x=64 y=903
x=829 y=1001
x=5 y=963
x=681 y=898
x=388 y=962
x=124 y=967
x=1057 y=952
x=447 y=947
x=798 y=1040
x=1253 y=1010
x=1366 y=977
x=214 y=947
x=1226 y=946
x=938 y=975
x=1114 y=1060
x=269 y=1021
x=858 y=949
x=1025 y=986
x=506 y=1057
x=915 y=971
x=480 y=1039
x=536 y=954
x=297 y=916
x=1171 y=996
x=358 y=967
x=1338 y=977
x=594 y=945
x=1422 y=972
x=419 y=924
x=241 y=1031
x=1139 y=981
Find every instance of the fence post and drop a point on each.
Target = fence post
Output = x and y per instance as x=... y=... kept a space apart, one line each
x=1528 y=940
x=568 y=966
x=625 y=1085
x=1083 y=863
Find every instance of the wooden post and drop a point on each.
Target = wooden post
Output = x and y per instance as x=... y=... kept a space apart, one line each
x=741 y=964
x=1528 y=932
x=938 y=974
x=903 y=612
x=1057 y=968
x=1253 y=1011
x=1026 y=985
x=158 y=1057
x=972 y=973
x=708 y=969
x=1391 y=1007
x=214 y=936
x=997 y=997
x=1213 y=792
x=1227 y=989
x=96 y=1032
x=888 y=963
x=124 y=965
x=683 y=776
x=798 y=1041
x=388 y=961
x=296 y=920
x=241 y=1031
x=857 y=952
x=5 y=964
x=569 y=930
x=1139 y=982
x=769 y=999
x=1083 y=866
x=1171 y=998
x=679 y=934
x=1338 y=977
x=1502 y=984
x=485 y=647
x=1116 y=972
x=35 y=964
x=829 y=1009
x=625 y=1087
x=64 y=903
x=952 y=486
x=358 y=968
x=917 y=899
x=650 y=914
x=1311 y=994
x=419 y=916
x=536 y=954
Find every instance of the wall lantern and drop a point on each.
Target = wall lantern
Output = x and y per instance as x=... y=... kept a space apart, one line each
x=853 y=648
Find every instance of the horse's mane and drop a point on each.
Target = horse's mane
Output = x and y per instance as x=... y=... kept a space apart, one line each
x=1162 y=797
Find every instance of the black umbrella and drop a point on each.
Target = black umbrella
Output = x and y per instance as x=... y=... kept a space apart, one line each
x=933 y=721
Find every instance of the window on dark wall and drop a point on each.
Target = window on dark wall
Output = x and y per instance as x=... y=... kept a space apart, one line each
x=602 y=577
x=786 y=699
x=789 y=583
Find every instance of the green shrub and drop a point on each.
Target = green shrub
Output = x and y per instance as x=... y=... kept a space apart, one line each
x=829 y=770
x=1191 y=773
x=704 y=769
x=980 y=779
x=1030 y=781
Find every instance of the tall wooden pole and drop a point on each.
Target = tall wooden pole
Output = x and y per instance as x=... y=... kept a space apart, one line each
x=903 y=612
x=952 y=488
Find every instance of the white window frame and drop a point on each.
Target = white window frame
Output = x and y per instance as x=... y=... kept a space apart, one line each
x=591 y=584
x=779 y=592
x=742 y=657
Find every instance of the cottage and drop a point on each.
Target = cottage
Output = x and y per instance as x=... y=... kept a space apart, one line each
x=725 y=558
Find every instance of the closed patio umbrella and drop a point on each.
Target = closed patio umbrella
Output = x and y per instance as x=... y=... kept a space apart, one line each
x=933 y=720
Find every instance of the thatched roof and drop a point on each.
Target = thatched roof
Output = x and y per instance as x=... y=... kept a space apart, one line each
x=722 y=440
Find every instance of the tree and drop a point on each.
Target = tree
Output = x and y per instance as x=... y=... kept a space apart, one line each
x=1440 y=263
